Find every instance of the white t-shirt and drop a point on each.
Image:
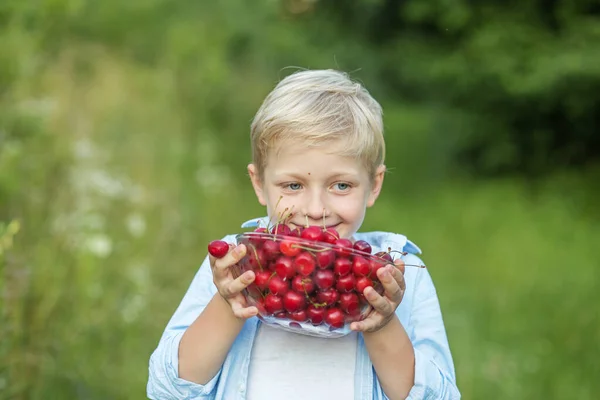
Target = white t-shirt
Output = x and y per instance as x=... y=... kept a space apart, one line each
x=285 y=365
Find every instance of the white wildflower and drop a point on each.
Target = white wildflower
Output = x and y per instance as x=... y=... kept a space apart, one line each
x=99 y=244
x=136 y=224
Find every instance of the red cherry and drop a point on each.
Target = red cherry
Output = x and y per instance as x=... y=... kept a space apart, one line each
x=360 y=266
x=385 y=255
x=281 y=315
x=312 y=233
x=284 y=266
x=315 y=314
x=218 y=248
x=330 y=235
x=324 y=278
x=362 y=283
x=271 y=249
x=278 y=286
x=257 y=258
x=281 y=229
x=271 y=265
x=325 y=258
x=257 y=238
x=376 y=264
x=297 y=232
x=343 y=247
x=260 y=305
x=334 y=317
x=346 y=283
x=289 y=247
x=328 y=296
x=273 y=304
x=261 y=279
x=349 y=303
x=293 y=301
x=362 y=245
x=299 y=315
x=305 y=263
x=303 y=284
x=342 y=266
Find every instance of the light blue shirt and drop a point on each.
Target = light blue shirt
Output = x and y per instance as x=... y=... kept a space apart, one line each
x=419 y=313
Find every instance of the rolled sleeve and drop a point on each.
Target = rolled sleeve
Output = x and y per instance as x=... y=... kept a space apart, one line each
x=434 y=369
x=164 y=382
x=429 y=380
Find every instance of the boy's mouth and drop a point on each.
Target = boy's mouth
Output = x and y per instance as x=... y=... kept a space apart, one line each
x=303 y=225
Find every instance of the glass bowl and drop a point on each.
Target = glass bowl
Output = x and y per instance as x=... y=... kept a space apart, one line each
x=307 y=287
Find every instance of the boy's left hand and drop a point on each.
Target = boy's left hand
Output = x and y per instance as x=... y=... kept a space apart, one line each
x=384 y=306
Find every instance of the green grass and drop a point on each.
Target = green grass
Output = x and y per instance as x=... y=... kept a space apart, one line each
x=516 y=279
x=117 y=196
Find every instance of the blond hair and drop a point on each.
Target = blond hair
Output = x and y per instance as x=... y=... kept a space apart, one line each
x=316 y=107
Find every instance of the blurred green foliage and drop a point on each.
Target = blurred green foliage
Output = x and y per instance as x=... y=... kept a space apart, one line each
x=123 y=146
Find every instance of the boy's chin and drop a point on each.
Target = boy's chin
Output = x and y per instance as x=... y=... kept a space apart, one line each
x=344 y=231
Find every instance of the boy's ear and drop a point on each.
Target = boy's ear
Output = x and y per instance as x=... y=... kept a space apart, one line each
x=377 y=185
x=257 y=184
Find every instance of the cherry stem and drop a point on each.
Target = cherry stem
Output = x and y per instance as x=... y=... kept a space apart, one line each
x=256 y=255
x=390 y=251
x=279 y=220
x=316 y=305
x=276 y=205
x=332 y=234
x=269 y=280
x=297 y=246
x=262 y=295
x=290 y=213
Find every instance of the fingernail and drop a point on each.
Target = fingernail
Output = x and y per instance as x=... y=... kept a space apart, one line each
x=238 y=250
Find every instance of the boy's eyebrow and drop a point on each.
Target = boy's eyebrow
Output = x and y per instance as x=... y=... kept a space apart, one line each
x=335 y=175
x=343 y=175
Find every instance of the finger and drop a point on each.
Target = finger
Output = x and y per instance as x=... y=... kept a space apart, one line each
x=398 y=276
x=232 y=257
x=391 y=280
x=366 y=325
x=399 y=263
x=212 y=258
x=379 y=303
x=243 y=312
x=237 y=285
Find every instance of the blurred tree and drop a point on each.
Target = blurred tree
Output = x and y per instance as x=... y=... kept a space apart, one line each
x=524 y=76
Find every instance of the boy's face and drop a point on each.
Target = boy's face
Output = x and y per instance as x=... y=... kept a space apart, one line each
x=322 y=187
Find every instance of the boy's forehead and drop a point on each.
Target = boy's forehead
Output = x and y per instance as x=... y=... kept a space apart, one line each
x=298 y=146
x=313 y=161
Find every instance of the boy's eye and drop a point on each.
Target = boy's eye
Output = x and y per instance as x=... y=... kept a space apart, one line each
x=342 y=186
x=294 y=186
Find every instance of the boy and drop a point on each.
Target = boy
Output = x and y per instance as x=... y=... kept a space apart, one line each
x=318 y=149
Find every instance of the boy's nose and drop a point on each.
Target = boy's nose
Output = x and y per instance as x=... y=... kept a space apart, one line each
x=315 y=209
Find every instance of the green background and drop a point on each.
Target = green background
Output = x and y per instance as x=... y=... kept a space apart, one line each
x=124 y=136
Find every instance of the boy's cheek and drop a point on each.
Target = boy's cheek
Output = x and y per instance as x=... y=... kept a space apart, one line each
x=277 y=206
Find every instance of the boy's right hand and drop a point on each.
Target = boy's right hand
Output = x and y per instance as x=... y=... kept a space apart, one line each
x=229 y=288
